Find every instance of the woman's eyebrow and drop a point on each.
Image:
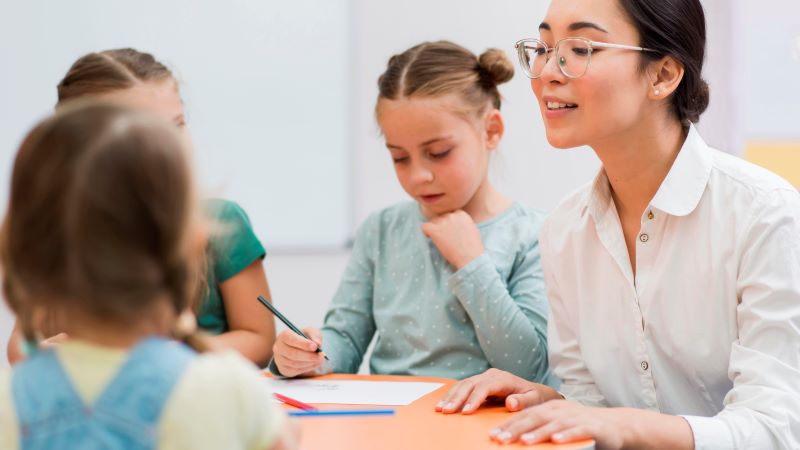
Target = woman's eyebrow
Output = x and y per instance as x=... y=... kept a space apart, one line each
x=575 y=26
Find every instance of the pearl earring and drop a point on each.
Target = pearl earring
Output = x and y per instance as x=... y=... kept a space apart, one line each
x=657 y=92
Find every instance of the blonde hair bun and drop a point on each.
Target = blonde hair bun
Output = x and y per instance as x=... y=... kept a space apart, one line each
x=494 y=63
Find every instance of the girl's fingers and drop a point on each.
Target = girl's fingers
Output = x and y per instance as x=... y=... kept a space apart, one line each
x=294 y=340
x=315 y=335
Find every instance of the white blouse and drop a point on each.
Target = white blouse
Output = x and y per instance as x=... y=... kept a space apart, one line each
x=710 y=326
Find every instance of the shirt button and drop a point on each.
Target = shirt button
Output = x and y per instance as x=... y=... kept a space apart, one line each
x=650 y=215
x=645 y=366
x=644 y=237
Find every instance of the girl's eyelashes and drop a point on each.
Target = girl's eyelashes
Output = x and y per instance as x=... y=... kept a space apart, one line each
x=440 y=155
x=430 y=155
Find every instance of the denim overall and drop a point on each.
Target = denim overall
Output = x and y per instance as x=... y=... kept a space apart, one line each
x=125 y=415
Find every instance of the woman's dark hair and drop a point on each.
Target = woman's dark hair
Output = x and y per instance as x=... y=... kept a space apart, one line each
x=675 y=28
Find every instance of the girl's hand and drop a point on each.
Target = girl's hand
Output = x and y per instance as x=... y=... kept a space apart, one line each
x=469 y=394
x=296 y=355
x=456 y=237
x=563 y=421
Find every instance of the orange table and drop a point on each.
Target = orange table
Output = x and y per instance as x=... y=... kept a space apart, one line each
x=416 y=426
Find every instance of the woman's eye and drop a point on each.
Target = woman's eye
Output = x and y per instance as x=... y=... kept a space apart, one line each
x=580 y=51
x=440 y=155
x=400 y=159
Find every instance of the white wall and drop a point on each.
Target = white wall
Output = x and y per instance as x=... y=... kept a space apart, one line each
x=264 y=84
x=770 y=32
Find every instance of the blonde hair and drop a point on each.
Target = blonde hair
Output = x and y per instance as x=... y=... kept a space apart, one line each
x=110 y=70
x=100 y=212
x=117 y=69
x=434 y=69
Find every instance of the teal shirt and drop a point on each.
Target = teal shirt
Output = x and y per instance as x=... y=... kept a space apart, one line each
x=232 y=247
x=430 y=320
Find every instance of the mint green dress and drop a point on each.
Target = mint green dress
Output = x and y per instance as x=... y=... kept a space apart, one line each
x=231 y=249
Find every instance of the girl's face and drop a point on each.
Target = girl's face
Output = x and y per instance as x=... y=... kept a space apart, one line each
x=440 y=156
x=159 y=97
x=611 y=96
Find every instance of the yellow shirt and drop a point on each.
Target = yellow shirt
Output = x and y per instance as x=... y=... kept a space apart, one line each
x=221 y=401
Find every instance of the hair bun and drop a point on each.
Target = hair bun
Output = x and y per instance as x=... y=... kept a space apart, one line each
x=496 y=66
x=691 y=99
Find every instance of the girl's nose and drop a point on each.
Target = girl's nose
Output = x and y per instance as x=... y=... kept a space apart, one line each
x=421 y=173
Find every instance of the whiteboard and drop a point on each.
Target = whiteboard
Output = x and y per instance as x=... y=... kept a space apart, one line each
x=265 y=86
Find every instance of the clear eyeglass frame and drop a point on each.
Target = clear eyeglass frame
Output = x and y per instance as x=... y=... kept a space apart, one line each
x=524 y=45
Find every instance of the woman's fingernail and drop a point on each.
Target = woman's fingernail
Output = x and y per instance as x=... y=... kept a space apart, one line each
x=528 y=437
x=450 y=406
x=559 y=437
x=466 y=407
x=495 y=431
x=504 y=436
x=440 y=405
x=513 y=403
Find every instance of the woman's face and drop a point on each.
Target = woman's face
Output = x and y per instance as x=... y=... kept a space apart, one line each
x=611 y=96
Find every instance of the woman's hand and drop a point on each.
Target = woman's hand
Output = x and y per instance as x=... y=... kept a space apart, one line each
x=562 y=421
x=469 y=394
x=295 y=355
x=456 y=236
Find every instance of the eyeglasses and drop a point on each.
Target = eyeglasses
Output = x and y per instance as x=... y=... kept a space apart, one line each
x=573 y=55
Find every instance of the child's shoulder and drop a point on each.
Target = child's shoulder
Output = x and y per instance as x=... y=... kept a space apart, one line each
x=221 y=398
x=400 y=215
x=517 y=217
x=217 y=372
x=399 y=212
x=8 y=418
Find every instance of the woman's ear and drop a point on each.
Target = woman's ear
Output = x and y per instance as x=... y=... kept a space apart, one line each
x=495 y=127
x=665 y=75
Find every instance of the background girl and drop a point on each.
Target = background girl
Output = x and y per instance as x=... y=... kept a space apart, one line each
x=235 y=275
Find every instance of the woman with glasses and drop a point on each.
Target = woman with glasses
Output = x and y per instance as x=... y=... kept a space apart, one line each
x=674 y=277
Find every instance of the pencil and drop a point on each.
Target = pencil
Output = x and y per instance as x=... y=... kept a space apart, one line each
x=293 y=402
x=291 y=326
x=343 y=412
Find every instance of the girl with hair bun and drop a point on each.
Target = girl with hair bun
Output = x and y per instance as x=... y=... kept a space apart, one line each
x=450 y=282
x=673 y=278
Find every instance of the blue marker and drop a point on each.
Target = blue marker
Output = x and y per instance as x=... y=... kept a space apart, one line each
x=343 y=412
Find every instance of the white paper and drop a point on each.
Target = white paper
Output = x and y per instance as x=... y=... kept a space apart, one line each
x=347 y=392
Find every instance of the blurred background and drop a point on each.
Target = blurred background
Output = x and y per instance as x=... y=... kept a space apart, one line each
x=280 y=95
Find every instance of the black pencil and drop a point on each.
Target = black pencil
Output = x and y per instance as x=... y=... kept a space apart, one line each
x=283 y=319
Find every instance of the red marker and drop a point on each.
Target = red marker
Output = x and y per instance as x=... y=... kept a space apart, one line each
x=293 y=402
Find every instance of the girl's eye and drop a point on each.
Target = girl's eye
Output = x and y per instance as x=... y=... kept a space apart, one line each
x=440 y=155
x=400 y=159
